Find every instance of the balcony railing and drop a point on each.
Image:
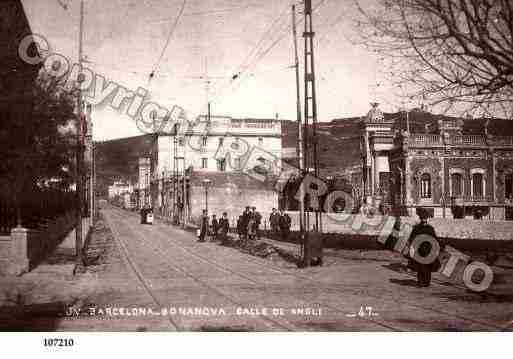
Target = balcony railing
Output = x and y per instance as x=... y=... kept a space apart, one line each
x=426 y=139
x=468 y=140
x=422 y=139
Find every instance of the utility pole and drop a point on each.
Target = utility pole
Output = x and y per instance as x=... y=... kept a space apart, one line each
x=175 y=174
x=299 y=148
x=310 y=96
x=80 y=145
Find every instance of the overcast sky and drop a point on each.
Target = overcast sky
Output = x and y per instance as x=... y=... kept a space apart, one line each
x=124 y=40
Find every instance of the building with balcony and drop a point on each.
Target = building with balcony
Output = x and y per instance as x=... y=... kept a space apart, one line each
x=219 y=148
x=453 y=168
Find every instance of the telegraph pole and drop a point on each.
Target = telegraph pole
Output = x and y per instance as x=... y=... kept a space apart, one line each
x=175 y=175
x=310 y=96
x=299 y=148
x=80 y=145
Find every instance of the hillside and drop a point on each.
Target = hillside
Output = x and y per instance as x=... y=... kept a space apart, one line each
x=117 y=160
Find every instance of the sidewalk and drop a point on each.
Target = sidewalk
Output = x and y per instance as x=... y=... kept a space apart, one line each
x=62 y=261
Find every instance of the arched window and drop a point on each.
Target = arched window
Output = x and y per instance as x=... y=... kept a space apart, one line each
x=425 y=185
x=477 y=185
x=456 y=184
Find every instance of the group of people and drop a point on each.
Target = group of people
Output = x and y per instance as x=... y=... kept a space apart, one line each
x=248 y=224
x=280 y=224
x=217 y=228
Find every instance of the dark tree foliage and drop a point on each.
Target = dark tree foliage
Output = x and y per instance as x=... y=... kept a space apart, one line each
x=453 y=54
x=36 y=138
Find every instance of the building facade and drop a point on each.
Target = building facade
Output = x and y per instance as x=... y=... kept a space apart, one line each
x=446 y=170
x=219 y=148
x=205 y=145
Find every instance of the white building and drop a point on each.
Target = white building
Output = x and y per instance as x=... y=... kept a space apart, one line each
x=118 y=188
x=222 y=145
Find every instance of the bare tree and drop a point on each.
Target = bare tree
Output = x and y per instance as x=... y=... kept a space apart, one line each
x=453 y=54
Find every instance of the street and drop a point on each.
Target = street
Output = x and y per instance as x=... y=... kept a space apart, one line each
x=206 y=286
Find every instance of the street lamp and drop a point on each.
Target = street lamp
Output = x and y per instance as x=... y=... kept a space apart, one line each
x=206 y=183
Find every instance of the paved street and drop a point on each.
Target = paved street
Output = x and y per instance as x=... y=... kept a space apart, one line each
x=213 y=287
x=210 y=287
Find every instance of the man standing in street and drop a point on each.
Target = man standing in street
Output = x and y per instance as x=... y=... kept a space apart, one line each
x=246 y=216
x=215 y=228
x=203 y=226
x=284 y=225
x=274 y=222
x=224 y=227
x=258 y=220
x=424 y=270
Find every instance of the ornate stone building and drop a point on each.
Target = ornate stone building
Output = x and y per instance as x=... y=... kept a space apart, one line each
x=452 y=167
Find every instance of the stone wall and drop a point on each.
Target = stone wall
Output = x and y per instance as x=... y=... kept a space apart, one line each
x=231 y=200
x=464 y=229
x=24 y=248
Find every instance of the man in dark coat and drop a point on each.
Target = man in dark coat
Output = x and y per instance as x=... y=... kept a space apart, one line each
x=246 y=216
x=203 y=226
x=258 y=220
x=274 y=222
x=224 y=227
x=424 y=270
x=215 y=228
x=284 y=225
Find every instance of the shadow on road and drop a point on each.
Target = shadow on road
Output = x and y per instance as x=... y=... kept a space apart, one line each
x=404 y=282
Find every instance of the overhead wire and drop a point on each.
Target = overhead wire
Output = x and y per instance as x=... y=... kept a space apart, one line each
x=171 y=32
x=264 y=53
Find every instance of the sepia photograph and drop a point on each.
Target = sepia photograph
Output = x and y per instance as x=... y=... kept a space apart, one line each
x=255 y=166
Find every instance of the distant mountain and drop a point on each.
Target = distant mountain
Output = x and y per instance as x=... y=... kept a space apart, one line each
x=117 y=160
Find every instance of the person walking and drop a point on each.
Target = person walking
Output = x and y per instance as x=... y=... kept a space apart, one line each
x=258 y=220
x=215 y=228
x=424 y=270
x=203 y=226
x=224 y=228
x=274 y=221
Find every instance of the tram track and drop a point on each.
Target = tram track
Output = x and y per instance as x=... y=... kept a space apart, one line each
x=287 y=326
x=310 y=279
x=130 y=264
x=253 y=281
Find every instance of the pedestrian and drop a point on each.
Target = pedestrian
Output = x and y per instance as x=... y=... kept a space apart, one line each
x=203 y=226
x=215 y=228
x=284 y=225
x=246 y=216
x=258 y=220
x=240 y=227
x=224 y=228
x=424 y=270
x=274 y=221
x=251 y=226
